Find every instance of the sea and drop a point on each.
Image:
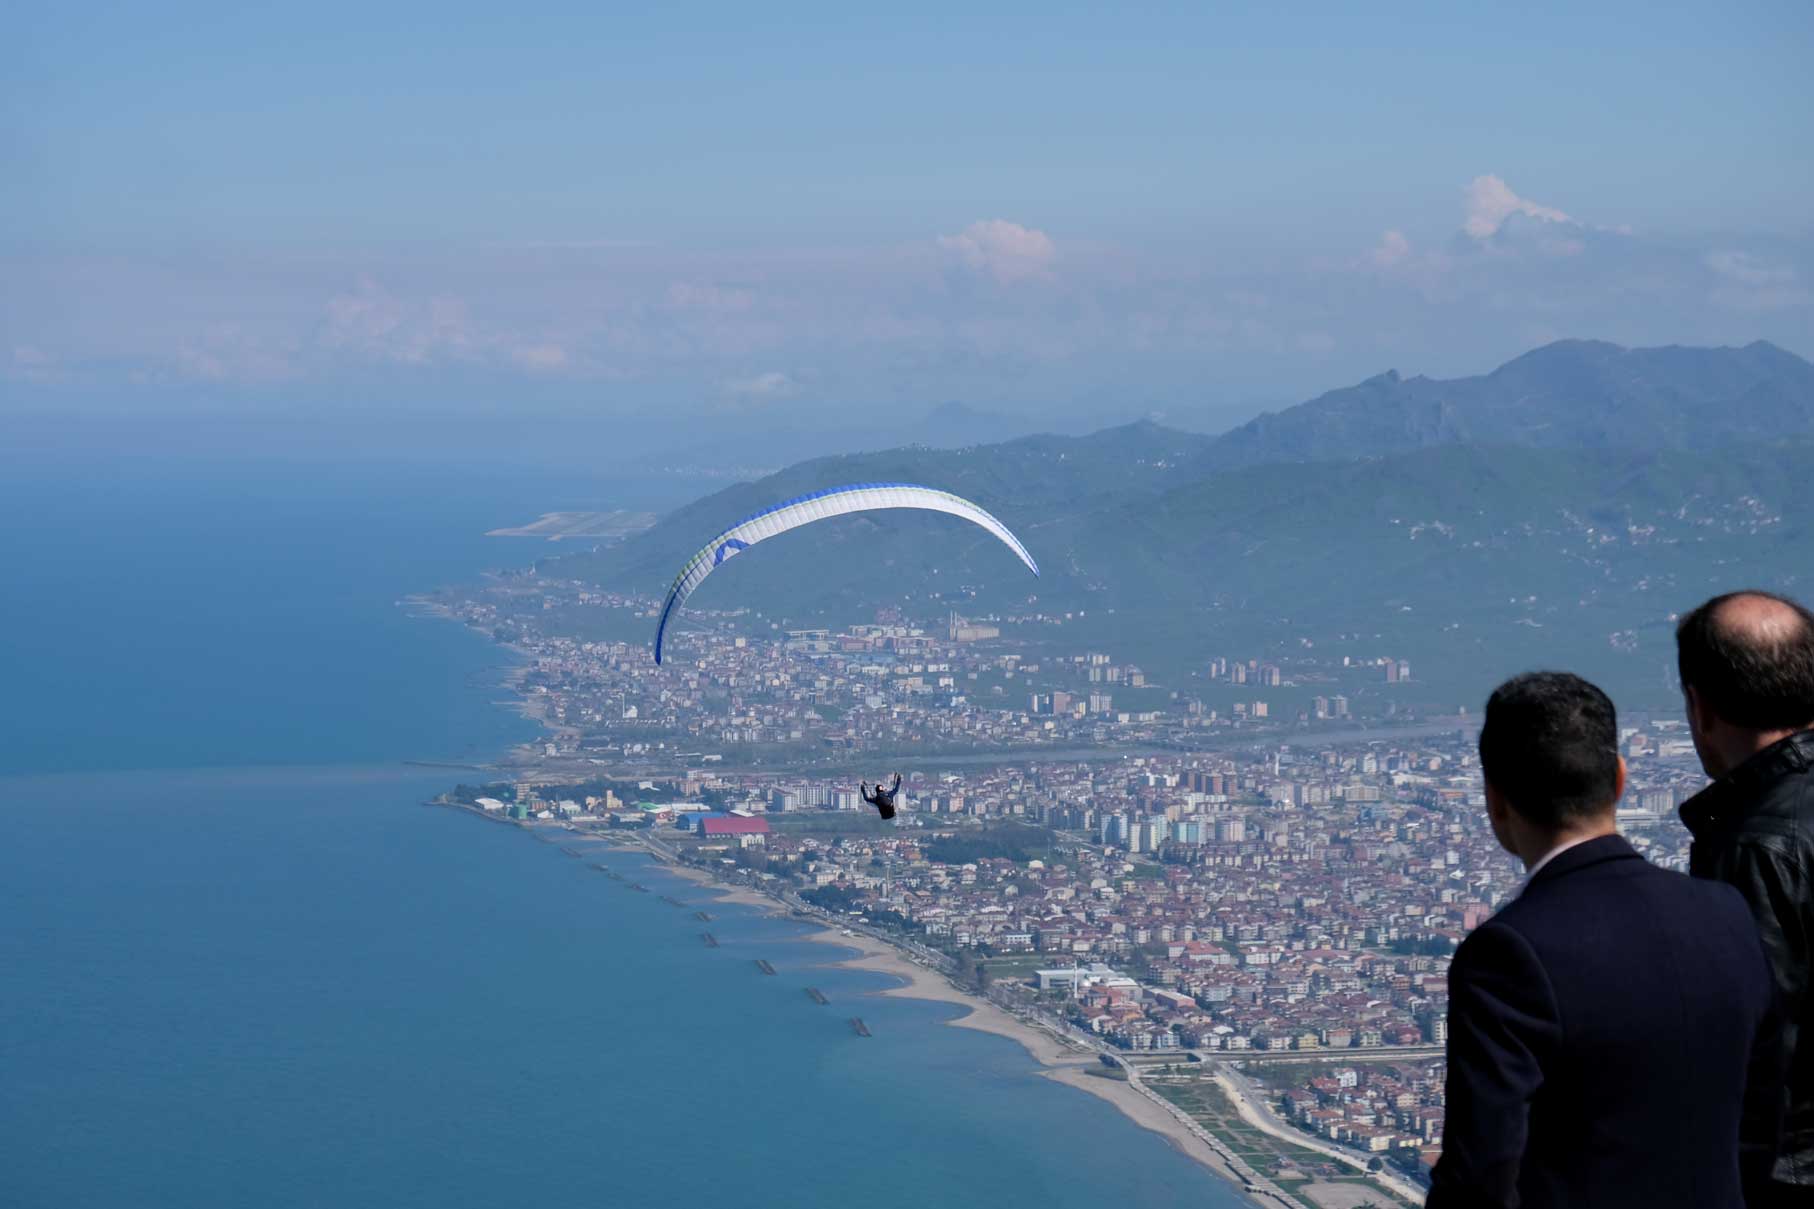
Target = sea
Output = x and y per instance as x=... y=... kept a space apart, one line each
x=242 y=963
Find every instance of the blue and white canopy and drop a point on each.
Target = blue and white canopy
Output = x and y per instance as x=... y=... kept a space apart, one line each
x=818 y=506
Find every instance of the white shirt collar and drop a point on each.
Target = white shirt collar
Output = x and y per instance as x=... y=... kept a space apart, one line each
x=1553 y=853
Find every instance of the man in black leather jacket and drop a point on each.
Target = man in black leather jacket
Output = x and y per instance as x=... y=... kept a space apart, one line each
x=1747 y=668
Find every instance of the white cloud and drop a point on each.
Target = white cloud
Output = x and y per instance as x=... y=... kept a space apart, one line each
x=574 y=245
x=544 y=357
x=692 y=296
x=1491 y=201
x=1393 y=247
x=1747 y=283
x=772 y=385
x=374 y=325
x=30 y=363
x=229 y=351
x=1005 y=250
x=762 y=330
x=1747 y=269
x=366 y=320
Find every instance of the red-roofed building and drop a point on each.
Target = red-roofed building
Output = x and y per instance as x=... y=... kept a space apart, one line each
x=733 y=824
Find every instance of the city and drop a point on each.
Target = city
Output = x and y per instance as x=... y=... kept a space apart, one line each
x=956 y=689
x=1005 y=606
x=1278 y=907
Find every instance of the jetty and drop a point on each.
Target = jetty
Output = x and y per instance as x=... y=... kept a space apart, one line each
x=858 y=1027
x=711 y=942
x=764 y=966
x=816 y=995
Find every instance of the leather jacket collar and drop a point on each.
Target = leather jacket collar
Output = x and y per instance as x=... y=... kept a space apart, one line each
x=1725 y=802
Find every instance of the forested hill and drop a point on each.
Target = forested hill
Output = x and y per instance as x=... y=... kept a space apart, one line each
x=1037 y=485
x=1031 y=483
x=1460 y=545
x=1574 y=394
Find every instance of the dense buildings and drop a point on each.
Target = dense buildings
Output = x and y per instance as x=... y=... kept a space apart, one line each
x=888 y=687
x=1294 y=899
x=1224 y=865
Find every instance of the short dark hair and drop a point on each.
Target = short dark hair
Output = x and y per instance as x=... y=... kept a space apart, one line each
x=1760 y=681
x=1550 y=744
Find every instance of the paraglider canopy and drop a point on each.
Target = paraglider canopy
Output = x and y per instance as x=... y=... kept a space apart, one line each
x=818 y=506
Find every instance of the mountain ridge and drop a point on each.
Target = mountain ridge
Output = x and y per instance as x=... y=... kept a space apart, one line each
x=1567 y=393
x=1190 y=549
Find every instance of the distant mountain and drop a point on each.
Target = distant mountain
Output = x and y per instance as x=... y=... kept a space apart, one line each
x=1031 y=483
x=1574 y=394
x=735 y=442
x=1115 y=520
x=955 y=425
x=1554 y=511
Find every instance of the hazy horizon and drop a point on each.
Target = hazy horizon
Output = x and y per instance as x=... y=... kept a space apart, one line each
x=832 y=218
x=378 y=382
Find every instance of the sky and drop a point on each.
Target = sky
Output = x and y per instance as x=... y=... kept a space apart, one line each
x=816 y=212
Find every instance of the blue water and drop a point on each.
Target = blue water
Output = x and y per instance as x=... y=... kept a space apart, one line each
x=254 y=970
x=208 y=613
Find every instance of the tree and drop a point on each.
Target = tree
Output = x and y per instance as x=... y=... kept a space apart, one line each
x=966 y=967
x=833 y=897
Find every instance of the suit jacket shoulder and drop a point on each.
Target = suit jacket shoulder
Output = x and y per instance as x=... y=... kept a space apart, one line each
x=1593 y=1015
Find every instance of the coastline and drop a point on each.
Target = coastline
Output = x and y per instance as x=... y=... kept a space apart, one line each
x=1060 y=1061
x=1057 y=1058
x=918 y=982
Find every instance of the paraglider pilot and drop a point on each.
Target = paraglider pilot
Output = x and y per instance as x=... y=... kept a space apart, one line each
x=883 y=800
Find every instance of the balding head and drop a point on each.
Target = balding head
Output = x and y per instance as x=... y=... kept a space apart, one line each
x=1758 y=619
x=1749 y=658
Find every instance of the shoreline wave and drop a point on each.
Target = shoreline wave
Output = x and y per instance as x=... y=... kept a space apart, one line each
x=1060 y=1061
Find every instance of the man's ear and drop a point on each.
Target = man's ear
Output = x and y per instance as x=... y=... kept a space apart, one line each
x=1618 y=785
x=1696 y=709
x=1496 y=806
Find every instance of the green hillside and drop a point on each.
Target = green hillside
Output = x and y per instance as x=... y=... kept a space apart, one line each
x=1461 y=554
x=1469 y=557
x=1573 y=394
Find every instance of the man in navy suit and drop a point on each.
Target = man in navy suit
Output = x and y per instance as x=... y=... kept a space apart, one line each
x=1608 y=1028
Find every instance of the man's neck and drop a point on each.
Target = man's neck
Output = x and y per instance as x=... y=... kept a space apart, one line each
x=1540 y=849
x=1745 y=744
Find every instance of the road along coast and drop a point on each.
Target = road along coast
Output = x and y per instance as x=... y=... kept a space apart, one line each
x=1064 y=1056
x=1060 y=1058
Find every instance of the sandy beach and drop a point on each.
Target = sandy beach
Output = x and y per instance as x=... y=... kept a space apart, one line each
x=1061 y=1060
x=922 y=983
x=726 y=893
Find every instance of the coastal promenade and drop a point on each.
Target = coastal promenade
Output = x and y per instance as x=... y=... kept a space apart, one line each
x=1251 y=1104
x=1068 y=1054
